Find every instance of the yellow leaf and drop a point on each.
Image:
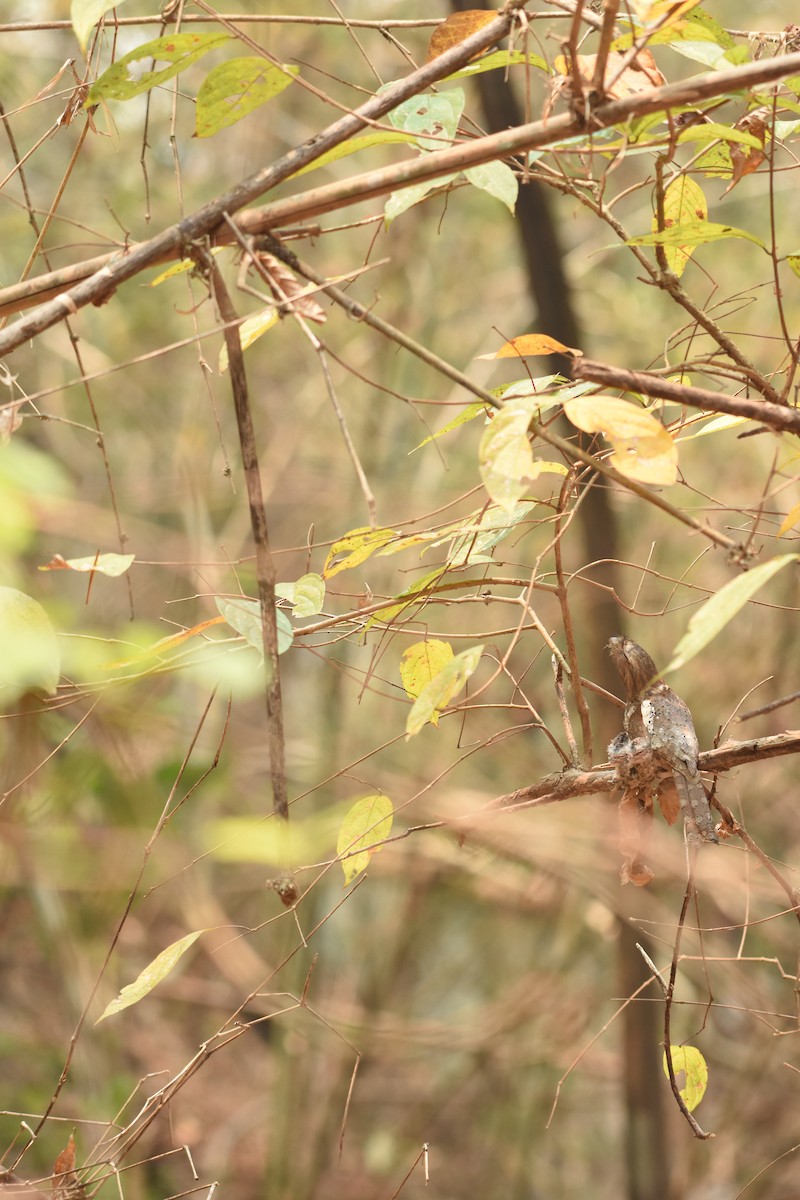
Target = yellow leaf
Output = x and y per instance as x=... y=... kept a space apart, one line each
x=441 y=689
x=421 y=663
x=531 y=344
x=250 y=330
x=684 y=203
x=643 y=448
x=153 y=974
x=368 y=822
x=790 y=520
x=356 y=546
x=691 y=1073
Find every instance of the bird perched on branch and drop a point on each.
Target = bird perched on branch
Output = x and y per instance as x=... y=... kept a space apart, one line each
x=659 y=725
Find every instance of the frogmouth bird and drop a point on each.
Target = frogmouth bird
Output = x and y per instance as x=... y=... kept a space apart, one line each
x=657 y=721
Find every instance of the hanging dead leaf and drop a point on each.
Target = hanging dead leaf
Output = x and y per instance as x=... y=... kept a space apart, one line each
x=747 y=159
x=457 y=28
x=67 y=1185
x=10 y=420
x=288 y=290
x=532 y=344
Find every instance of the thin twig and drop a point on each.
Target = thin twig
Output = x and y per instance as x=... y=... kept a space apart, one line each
x=265 y=567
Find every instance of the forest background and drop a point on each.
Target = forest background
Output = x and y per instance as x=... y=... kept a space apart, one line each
x=454 y=522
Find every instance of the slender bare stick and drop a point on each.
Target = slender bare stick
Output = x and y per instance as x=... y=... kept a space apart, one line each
x=776 y=416
x=265 y=568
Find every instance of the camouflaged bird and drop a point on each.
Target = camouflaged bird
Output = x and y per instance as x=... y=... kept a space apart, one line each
x=658 y=721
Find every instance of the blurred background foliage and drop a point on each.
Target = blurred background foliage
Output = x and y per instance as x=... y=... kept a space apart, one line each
x=466 y=973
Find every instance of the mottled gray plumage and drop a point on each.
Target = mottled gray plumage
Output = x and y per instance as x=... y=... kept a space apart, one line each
x=654 y=713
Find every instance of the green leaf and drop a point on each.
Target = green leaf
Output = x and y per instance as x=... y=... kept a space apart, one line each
x=505 y=457
x=694 y=233
x=421 y=663
x=179 y=51
x=469 y=414
x=684 y=203
x=400 y=202
x=499 y=59
x=436 y=115
x=498 y=180
x=441 y=689
x=84 y=15
x=306 y=596
x=415 y=591
x=687 y=1061
x=30 y=659
x=235 y=88
x=245 y=617
x=368 y=822
x=356 y=546
x=715 y=614
x=381 y=137
x=708 y=133
x=151 y=976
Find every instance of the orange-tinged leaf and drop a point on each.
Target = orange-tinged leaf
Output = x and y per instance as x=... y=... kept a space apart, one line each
x=166 y=644
x=662 y=12
x=368 y=822
x=457 y=28
x=531 y=344
x=105 y=564
x=643 y=448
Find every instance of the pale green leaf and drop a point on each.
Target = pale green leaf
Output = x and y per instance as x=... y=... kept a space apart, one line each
x=684 y=203
x=435 y=114
x=441 y=689
x=355 y=547
x=714 y=615
x=30 y=659
x=250 y=331
x=691 y=1073
x=306 y=596
x=400 y=202
x=694 y=233
x=475 y=538
x=84 y=15
x=105 y=564
x=498 y=180
x=151 y=976
x=236 y=88
x=368 y=823
x=421 y=663
x=245 y=617
x=469 y=414
x=709 y=132
x=505 y=457
x=128 y=77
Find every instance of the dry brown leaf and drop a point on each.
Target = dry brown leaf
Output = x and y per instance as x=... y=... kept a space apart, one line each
x=10 y=420
x=669 y=802
x=457 y=28
x=747 y=159
x=287 y=288
x=66 y=1183
x=640 y=76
